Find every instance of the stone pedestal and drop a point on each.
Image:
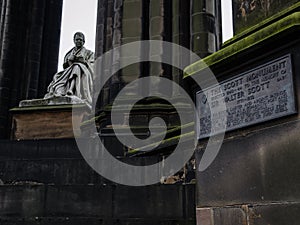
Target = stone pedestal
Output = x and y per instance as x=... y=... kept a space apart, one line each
x=47 y=122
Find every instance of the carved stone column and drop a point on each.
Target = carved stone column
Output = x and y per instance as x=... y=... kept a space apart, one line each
x=160 y=16
x=30 y=32
x=180 y=36
x=203 y=27
x=132 y=30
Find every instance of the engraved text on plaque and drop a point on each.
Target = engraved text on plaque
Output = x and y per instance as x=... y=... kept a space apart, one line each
x=262 y=94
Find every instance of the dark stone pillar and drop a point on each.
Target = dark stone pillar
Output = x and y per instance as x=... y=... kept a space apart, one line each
x=30 y=34
x=100 y=48
x=100 y=29
x=117 y=35
x=160 y=29
x=205 y=25
x=50 y=44
x=160 y=18
x=104 y=99
x=180 y=36
x=109 y=34
x=132 y=30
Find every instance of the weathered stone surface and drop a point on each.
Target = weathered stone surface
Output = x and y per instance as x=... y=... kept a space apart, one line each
x=275 y=214
x=204 y=216
x=78 y=192
x=76 y=200
x=22 y=201
x=254 y=214
x=254 y=178
x=109 y=203
x=229 y=216
x=89 y=221
x=47 y=122
x=203 y=20
x=249 y=170
x=258 y=163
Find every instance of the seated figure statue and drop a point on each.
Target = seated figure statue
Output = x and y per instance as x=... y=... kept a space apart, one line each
x=77 y=77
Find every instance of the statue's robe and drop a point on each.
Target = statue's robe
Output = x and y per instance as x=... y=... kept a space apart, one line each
x=81 y=70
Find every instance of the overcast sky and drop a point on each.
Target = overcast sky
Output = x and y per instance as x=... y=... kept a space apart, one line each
x=80 y=15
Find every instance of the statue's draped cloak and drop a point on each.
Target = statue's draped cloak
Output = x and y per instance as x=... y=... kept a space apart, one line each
x=81 y=71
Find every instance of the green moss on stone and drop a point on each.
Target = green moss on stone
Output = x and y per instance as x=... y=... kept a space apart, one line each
x=250 y=41
x=165 y=143
x=174 y=130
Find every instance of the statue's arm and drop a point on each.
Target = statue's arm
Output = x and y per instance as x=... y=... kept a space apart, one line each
x=69 y=59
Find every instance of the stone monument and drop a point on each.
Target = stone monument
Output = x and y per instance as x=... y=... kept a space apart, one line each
x=74 y=84
x=70 y=90
x=254 y=178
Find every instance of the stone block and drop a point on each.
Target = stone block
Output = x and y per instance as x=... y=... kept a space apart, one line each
x=22 y=200
x=79 y=201
x=131 y=27
x=275 y=214
x=132 y=9
x=158 y=201
x=156 y=8
x=47 y=122
x=248 y=170
x=204 y=216
x=230 y=215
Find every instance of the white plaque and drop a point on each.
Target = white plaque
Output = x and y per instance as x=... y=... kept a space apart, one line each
x=261 y=94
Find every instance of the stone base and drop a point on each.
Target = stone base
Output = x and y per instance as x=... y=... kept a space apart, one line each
x=45 y=122
x=60 y=100
x=274 y=213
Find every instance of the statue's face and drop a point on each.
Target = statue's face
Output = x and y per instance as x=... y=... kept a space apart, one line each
x=78 y=40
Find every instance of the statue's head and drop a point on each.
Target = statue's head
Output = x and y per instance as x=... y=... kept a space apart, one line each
x=79 y=39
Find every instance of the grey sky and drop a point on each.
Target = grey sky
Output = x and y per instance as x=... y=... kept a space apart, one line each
x=80 y=15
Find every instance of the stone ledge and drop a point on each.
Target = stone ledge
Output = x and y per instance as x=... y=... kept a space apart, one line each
x=53 y=101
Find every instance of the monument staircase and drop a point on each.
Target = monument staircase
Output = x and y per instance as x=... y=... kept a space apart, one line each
x=48 y=182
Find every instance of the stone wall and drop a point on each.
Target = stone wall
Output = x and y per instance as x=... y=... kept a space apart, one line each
x=48 y=182
x=254 y=178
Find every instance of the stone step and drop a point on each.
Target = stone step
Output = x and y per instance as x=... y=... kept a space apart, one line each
x=97 y=203
x=48 y=171
x=89 y=221
x=39 y=149
x=51 y=162
x=54 y=162
x=48 y=182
